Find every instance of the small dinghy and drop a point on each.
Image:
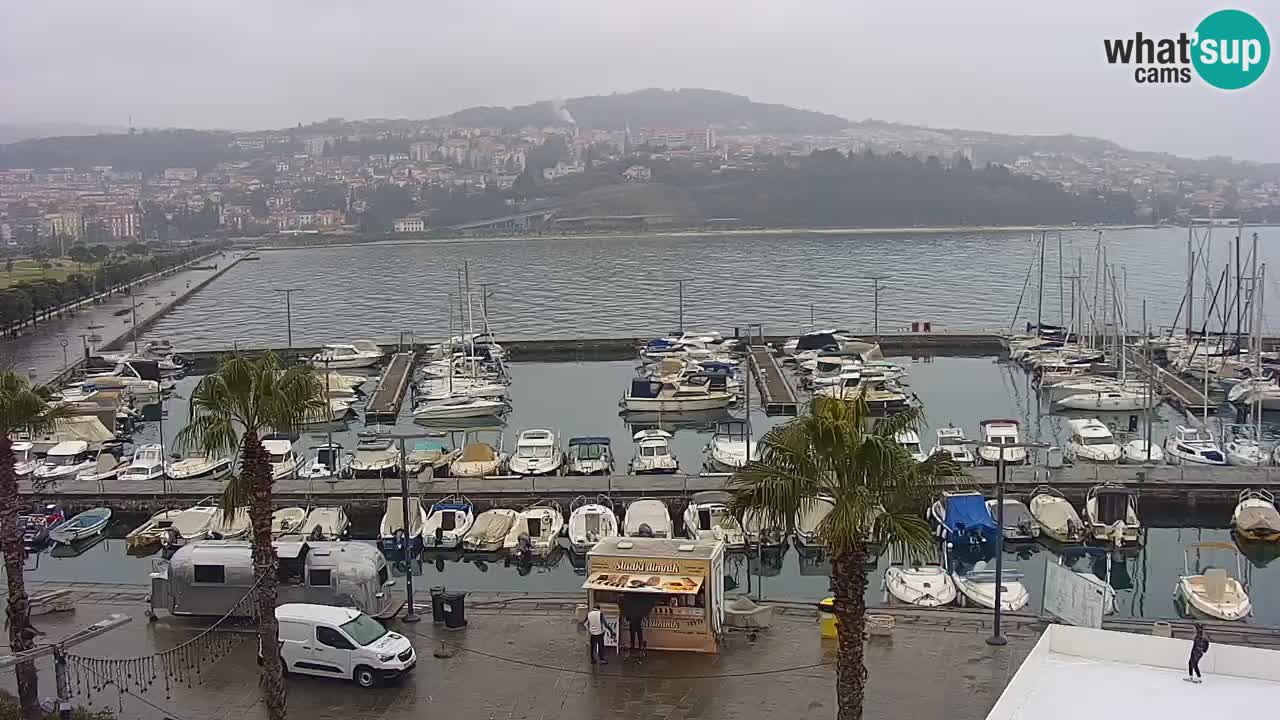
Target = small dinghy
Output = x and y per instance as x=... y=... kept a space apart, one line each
x=647 y=517
x=191 y=525
x=235 y=526
x=489 y=530
x=1056 y=516
x=394 y=534
x=809 y=519
x=1141 y=452
x=152 y=531
x=287 y=521
x=919 y=581
x=977 y=587
x=1112 y=514
x=34 y=527
x=88 y=524
x=1210 y=591
x=536 y=528
x=591 y=522
x=1255 y=517
x=707 y=518
x=448 y=521
x=1019 y=524
x=763 y=531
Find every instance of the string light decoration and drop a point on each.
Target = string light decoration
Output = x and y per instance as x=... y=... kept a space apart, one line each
x=181 y=665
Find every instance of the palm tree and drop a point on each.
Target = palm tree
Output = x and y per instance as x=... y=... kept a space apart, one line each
x=20 y=409
x=230 y=412
x=841 y=453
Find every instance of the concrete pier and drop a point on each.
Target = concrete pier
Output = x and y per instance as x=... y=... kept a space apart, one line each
x=384 y=404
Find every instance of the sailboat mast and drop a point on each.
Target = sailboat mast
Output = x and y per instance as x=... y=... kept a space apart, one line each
x=1061 y=304
x=1257 y=352
x=1151 y=378
x=1191 y=274
x=1040 y=289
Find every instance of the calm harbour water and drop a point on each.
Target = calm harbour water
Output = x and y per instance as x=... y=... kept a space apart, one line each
x=621 y=287
x=580 y=399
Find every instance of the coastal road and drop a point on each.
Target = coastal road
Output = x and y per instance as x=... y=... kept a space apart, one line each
x=38 y=353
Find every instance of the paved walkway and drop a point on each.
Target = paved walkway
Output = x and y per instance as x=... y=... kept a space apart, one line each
x=39 y=351
x=528 y=659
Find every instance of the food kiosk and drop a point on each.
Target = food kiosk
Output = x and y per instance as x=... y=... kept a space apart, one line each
x=683 y=579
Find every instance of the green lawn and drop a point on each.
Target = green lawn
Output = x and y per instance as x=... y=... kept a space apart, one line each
x=29 y=270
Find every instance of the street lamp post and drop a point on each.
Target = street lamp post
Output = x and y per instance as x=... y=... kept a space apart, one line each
x=997 y=638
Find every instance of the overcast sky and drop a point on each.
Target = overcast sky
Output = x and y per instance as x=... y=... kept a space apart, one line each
x=1000 y=65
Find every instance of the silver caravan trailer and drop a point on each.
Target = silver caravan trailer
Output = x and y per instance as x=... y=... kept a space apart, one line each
x=211 y=577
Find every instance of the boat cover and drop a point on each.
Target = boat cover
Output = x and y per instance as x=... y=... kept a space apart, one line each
x=1258 y=518
x=478 y=452
x=1057 y=515
x=641 y=388
x=491 y=527
x=968 y=514
x=1112 y=506
x=393 y=519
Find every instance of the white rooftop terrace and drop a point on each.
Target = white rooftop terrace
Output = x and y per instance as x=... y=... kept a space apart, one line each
x=1131 y=676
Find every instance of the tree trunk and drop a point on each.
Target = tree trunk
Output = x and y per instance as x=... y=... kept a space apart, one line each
x=849 y=580
x=18 y=608
x=258 y=472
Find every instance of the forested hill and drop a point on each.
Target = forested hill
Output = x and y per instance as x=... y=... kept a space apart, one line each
x=687 y=108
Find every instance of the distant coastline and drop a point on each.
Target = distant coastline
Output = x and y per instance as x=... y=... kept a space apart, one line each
x=350 y=241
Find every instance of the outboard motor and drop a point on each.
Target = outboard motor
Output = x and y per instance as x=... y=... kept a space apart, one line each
x=439 y=536
x=524 y=548
x=317 y=533
x=644 y=531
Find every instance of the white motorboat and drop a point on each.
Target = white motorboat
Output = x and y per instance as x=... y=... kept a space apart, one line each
x=489 y=530
x=708 y=517
x=880 y=394
x=284 y=462
x=590 y=456
x=147 y=464
x=1081 y=560
x=1056 y=516
x=478 y=459
x=978 y=587
x=1193 y=445
x=105 y=468
x=152 y=531
x=1141 y=452
x=1117 y=400
x=337 y=410
x=432 y=454
x=198 y=466
x=1001 y=432
x=808 y=522
x=951 y=440
x=233 y=526
x=647 y=517
x=537 y=453
x=539 y=526
x=591 y=522
x=1245 y=451
x=1092 y=441
x=459 y=407
x=653 y=453
x=394 y=534
x=763 y=530
x=190 y=525
x=331 y=462
x=910 y=441
x=24 y=458
x=358 y=354
x=287 y=521
x=1255 y=517
x=65 y=460
x=88 y=524
x=375 y=457
x=437 y=389
x=727 y=450
x=1212 y=592
x=325 y=523
x=1258 y=390
x=696 y=393
x=919 y=581
x=1111 y=512
x=448 y=521
x=1019 y=524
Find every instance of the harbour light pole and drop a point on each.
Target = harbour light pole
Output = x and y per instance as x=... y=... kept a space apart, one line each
x=288 y=312
x=998 y=638
x=875 y=301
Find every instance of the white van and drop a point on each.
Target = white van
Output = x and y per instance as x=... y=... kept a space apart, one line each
x=341 y=642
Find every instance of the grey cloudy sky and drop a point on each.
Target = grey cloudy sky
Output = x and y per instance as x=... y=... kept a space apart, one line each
x=1000 y=65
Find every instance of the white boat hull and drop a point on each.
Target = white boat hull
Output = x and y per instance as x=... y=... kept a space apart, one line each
x=922 y=587
x=659 y=405
x=1234 y=605
x=1013 y=597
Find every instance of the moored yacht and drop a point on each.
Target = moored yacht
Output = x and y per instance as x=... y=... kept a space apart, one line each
x=591 y=522
x=647 y=517
x=331 y=462
x=198 y=466
x=910 y=441
x=707 y=517
x=1056 y=515
x=1111 y=512
x=590 y=455
x=653 y=453
x=919 y=581
x=24 y=459
x=358 y=354
x=537 y=453
x=448 y=521
x=694 y=393
x=147 y=464
x=375 y=457
x=1255 y=517
x=951 y=440
x=536 y=528
x=1092 y=441
x=1141 y=452
x=64 y=460
x=727 y=450
x=1001 y=432
x=284 y=461
x=1193 y=445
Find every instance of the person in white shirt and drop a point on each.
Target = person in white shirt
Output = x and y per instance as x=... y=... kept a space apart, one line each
x=595 y=627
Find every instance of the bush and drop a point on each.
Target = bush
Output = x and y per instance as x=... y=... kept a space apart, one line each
x=11 y=710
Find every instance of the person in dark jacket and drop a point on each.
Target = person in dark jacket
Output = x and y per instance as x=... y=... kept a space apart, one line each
x=1199 y=646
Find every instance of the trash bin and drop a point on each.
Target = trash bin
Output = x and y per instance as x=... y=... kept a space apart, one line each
x=827 y=617
x=455 y=613
x=437 y=604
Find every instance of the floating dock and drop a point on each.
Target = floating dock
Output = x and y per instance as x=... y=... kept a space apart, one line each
x=778 y=396
x=1182 y=393
x=384 y=404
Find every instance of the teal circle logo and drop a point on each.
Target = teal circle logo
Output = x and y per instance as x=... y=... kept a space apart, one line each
x=1232 y=49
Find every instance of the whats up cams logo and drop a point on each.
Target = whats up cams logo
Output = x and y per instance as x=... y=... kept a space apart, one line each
x=1228 y=50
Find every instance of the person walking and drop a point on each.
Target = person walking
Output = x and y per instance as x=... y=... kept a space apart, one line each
x=1199 y=646
x=595 y=628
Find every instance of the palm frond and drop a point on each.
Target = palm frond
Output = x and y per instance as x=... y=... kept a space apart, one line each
x=236 y=495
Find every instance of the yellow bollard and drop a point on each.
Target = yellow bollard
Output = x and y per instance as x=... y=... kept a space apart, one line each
x=827 y=617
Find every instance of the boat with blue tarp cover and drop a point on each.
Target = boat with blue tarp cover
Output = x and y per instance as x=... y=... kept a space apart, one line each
x=963 y=519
